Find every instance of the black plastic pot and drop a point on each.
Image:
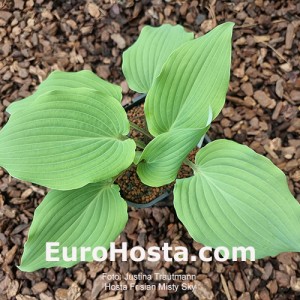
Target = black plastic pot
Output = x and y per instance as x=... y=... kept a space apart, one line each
x=138 y=100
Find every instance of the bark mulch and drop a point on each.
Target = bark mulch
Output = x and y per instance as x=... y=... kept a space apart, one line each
x=262 y=111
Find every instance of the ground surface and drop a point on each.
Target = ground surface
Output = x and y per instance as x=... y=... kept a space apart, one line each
x=262 y=111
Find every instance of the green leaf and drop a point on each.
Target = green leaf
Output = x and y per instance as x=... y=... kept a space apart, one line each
x=63 y=81
x=163 y=156
x=137 y=157
x=91 y=216
x=194 y=77
x=143 y=61
x=67 y=139
x=238 y=198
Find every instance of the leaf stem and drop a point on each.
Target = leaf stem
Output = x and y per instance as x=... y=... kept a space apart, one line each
x=141 y=130
x=140 y=144
x=193 y=166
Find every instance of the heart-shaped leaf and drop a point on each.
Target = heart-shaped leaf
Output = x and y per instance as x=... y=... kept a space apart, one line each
x=162 y=158
x=143 y=61
x=238 y=198
x=194 y=78
x=67 y=139
x=63 y=81
x=91 y=216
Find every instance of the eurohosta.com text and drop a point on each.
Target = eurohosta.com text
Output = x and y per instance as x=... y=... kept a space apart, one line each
x=54 y=252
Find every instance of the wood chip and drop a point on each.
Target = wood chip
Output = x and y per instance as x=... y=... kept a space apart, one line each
x=279 y=87
x=289 y=37
x=99 y=284
x=202 y=291
x=282 y=278
x=245 y=296
x=25 y=297
x=295 y=284
x=261 y=38
x=247 y=88
x=4 y=16
x=264 y=100
x=264 y=294
x=225 y=287
x=268 y=270
x=19 y=4
x=239 y=283
x=13 y=289
x=103 y=71
x=26 y=193
x=74 y=291
x=295 y=95
x=61 y=294
x=9 y=257
x=287 y=67
x=119 y=40
x=93 y=10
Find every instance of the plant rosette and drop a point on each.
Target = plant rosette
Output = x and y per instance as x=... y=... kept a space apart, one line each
x=132 y=189
x=72 y=136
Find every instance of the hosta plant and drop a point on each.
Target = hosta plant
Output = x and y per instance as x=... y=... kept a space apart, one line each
x=71 y=136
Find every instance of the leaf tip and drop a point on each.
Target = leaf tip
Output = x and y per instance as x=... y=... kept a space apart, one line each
x=24 y=267
x=228 y=24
